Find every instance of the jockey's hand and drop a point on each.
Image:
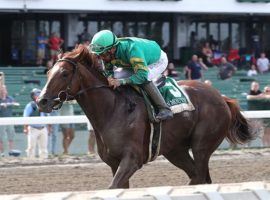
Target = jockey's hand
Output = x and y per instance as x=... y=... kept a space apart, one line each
x=113 y=82
x=110 y=80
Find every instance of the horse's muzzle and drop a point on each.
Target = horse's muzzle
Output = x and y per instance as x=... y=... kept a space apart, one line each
x=45 y=105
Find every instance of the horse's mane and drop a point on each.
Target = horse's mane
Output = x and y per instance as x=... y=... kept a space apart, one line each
x=81 y=55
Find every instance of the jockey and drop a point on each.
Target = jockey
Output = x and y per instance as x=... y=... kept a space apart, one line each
x=144 y=56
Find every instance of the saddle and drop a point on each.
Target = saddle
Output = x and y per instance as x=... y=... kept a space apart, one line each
x=174 y=95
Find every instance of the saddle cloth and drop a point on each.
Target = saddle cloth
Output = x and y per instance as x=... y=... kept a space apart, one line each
x=175 y=96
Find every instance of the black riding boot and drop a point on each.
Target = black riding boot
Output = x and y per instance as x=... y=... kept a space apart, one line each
x=164 y=110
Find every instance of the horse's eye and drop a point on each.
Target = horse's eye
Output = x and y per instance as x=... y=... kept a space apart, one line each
x=65 y=74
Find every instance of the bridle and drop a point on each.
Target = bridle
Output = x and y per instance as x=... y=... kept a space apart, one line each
x=64 y=95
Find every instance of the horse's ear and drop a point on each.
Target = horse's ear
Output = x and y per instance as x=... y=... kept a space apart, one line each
x=79 y=51
x=60 y=54
x=78 y=56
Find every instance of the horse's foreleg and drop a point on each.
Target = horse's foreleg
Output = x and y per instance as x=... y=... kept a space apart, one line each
x=127 y=167
x=114 y=168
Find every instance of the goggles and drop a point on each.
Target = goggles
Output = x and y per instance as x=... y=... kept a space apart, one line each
x=95 y=48
x=99 y=49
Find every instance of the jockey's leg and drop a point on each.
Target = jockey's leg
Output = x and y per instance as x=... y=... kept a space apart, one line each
x=155 y=70
x=164 y=110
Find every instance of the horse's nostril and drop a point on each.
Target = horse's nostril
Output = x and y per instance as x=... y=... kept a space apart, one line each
x=43 y=102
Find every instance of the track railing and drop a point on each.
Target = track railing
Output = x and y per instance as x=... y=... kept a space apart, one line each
x=247 y=191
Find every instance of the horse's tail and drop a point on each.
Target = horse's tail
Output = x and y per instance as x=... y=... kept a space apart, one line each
x=240 y=130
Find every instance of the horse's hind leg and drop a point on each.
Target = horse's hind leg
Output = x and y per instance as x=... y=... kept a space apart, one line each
x=202 y=168
x=204 y=144
x=181 y=158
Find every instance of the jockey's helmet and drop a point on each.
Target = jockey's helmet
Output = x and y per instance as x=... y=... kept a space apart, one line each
x=103 y=41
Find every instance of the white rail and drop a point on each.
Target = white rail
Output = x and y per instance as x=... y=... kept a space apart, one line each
x=257 y=114
x=76 y=119
x=247 y=191
x=80 y=119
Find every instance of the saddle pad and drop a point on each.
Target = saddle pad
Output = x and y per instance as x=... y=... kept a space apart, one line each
x=175 y=96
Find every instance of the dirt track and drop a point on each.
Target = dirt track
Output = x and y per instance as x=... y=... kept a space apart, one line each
x=74 y=174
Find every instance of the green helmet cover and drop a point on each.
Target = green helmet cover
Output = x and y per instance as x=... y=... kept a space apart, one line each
x=103 y=41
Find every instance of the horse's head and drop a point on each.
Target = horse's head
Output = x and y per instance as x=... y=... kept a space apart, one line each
x=65 y=79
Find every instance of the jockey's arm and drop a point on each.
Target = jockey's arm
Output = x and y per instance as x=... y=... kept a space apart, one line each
x=138 y=78
x=140 y=68
x=140 y=75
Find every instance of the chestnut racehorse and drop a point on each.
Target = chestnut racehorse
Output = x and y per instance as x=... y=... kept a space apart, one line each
x=119 y=118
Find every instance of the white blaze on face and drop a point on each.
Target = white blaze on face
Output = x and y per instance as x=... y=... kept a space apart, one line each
x=52 y=72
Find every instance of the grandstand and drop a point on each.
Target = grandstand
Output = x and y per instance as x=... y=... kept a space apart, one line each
x=236 y=87
x=21 y=80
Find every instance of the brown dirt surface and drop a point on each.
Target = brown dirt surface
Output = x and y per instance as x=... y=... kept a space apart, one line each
x=82 y=173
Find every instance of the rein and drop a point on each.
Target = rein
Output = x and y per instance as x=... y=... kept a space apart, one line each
x=64 y=95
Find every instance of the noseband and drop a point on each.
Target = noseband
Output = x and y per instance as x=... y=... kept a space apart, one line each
x=64 y=95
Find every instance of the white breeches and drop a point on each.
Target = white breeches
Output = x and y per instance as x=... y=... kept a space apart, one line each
x=156 y=69
x=37 y=137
